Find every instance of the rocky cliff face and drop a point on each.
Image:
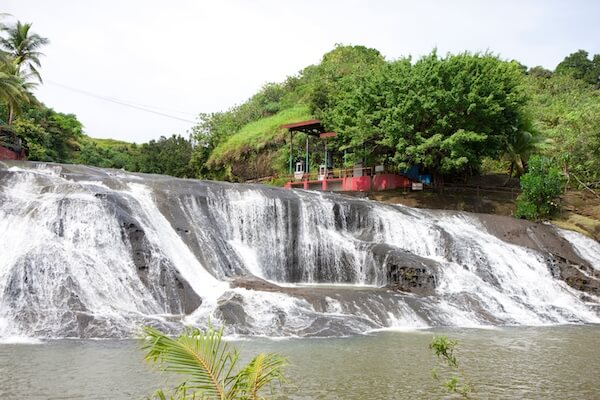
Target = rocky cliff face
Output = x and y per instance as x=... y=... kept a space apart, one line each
x=88 y=252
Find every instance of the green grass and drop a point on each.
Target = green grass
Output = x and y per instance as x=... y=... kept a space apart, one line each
x=108 y=142
x=257 y=135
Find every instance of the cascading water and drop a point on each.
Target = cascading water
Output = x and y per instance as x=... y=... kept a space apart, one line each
x=87 y=252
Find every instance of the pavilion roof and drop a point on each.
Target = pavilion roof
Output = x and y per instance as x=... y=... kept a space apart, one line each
x=311 y=127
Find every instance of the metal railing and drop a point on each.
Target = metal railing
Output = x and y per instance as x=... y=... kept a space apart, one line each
x=335 y=174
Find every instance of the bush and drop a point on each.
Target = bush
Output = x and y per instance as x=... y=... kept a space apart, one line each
x=540 y=188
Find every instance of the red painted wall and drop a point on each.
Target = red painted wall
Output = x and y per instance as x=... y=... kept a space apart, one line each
x=6 y=154
x=358 y=184
x=389 y=182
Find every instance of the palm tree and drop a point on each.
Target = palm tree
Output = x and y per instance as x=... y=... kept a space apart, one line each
x=209 y=364
x=23 y=47
x=519 y=146
x=13 y=90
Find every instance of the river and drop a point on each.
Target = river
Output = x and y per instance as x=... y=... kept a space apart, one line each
x=557 y=362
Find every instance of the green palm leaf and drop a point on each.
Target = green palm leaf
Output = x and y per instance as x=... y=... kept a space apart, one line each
x=200 y=355
x=208 y=363
x=260 y=372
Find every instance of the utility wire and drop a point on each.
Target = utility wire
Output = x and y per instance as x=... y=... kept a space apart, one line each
x=121 y=102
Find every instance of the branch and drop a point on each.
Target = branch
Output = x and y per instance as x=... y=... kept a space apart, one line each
x=586 y=186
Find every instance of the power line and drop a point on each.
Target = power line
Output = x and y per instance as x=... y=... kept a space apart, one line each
x=122 y=102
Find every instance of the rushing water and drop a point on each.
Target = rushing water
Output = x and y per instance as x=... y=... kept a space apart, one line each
x=560 y=362
x=87 y=253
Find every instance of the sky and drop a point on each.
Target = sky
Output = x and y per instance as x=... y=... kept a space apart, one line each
x=180 y=58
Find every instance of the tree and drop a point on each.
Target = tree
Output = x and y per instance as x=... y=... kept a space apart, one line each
x=321 y=82
x=442 y=114
x=20 y=58
x=540 y=72
x=13 y=90
x=520 y=145
x=540 y=188
x=579 y=66
x=23 y=47
x=210 y=365
x=170 y=156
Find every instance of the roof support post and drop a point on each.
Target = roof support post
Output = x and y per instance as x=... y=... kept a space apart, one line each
x=306 y=167
x=291 y=155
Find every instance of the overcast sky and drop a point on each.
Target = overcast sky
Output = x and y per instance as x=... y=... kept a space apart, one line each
x=185 y=57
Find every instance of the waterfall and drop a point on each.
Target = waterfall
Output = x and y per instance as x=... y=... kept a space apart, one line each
x=88 y=252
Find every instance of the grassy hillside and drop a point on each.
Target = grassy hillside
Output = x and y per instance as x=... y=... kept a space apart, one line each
x=257 y=136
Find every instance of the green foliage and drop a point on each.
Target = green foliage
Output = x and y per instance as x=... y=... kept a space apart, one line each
x=322 y=83
x=210 y=366
x=579 y=66
x=46 y=131
x=491 y=165
x=567 y=111
x=452 y=377
x=108 y=153
x=168 y=156
x=23 y=47
x=540 y=188
x=443 y=114
x=520 y=145
x=540 y=72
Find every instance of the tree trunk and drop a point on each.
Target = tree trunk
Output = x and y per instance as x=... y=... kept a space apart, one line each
x=438 y=182
x=11 y=112
x=510 y=173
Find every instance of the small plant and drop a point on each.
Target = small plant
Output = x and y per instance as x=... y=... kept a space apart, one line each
x=455 y=380
x=210 y=366
x=540 y=188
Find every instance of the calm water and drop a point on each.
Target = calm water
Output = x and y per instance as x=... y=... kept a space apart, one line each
x=509 y=363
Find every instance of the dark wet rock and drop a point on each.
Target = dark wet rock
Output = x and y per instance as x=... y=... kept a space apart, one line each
x=405 y=271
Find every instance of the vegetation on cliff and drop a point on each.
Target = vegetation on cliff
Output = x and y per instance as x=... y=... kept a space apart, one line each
x=454 y=116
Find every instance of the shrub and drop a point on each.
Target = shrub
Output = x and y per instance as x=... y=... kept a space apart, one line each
x=540 y=188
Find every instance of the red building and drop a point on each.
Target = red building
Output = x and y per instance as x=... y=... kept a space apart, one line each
x=327 y=178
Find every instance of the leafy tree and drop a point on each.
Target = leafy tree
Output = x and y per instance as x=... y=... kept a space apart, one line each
x=321 y=82
x=579 y=66
x=443 y=114
x=210 y=366
x=169 y=156
x=540 y=188
x=540 y=72
x=35 y=139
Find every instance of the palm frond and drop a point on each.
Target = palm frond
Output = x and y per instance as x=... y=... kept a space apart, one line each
x=264 y=369
x=23 y=47
x=200 y=355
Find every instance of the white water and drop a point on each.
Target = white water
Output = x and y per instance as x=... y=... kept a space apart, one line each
x=67 y=266
x=587 y=248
